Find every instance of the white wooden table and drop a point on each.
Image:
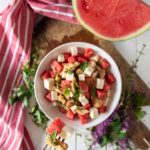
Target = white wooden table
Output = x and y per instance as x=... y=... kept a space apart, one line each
x=129 y=50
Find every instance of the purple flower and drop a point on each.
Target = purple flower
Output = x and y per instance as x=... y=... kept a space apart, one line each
x=95 y=136
x=102 y=129
x=123 y=144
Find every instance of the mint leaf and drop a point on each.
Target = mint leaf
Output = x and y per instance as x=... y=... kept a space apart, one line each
x=93 y=92
x=83 y=65
x=53 y=136
x=67 y=92
x=77 y=91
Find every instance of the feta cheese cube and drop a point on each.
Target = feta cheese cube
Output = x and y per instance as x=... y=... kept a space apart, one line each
x=54 y=95
x=73 y=108
x=66 y=132
x=63 y=75
x=74 y=51
x=49 y=83
x=81 y=77
x=71 y=94
x=69 y=76
x=83 y=100
x=88 y=71
x=100 y=83
x=61 y=58
x=93 y=113
x=95 y=58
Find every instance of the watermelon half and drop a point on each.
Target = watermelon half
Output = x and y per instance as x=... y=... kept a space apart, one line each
x=113 y=20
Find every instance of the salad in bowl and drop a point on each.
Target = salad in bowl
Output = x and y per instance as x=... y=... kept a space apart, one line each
x=78 y=82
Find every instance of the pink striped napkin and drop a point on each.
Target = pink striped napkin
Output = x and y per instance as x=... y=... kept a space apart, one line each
x=16 y=26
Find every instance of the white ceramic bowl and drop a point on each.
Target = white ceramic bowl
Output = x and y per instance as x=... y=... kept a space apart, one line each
x=52 y=112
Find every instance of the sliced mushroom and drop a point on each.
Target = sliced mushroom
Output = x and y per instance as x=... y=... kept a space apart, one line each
x=62 y=146
x=106 y=101
x=97 y=103
x=95 y=58
x=72 y=85
x=59 y=146
x=82 y=111
x=79 y=71
x=98 y=68
x=102 y=74
x=76 y=64
x=109 y=93
x=94 y=74
x=68 y=66
x=58 y=91
x=69 y=104
x=61 y=99
x=92 y=64
x=65 y=66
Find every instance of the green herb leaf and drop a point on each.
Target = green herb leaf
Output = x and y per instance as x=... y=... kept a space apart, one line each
x=122 y=135
x=25 y=101
x=83 y=65
x=19 y=91
x=140 y=114
x=39 y=117
x=93 y=92
x=57 y=78
x=104 y=141
x=70 y=72
x=12 y=100
x=67 y=92
x=53 y=136
x=77 y=91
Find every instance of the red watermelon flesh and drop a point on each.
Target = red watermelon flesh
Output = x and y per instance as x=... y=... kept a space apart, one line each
x=56 y=125
x=113 y=19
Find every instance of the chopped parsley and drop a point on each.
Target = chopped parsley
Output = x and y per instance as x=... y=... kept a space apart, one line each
x=53 y=137
x=77 y=91
x=67 y=92
x=70 y=72
x=83 y=65
x=93 y=92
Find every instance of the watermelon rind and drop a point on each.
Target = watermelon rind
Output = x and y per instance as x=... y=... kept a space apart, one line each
x=122 y=38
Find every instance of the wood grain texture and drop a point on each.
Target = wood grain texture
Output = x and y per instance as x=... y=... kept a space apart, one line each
x=51 y=33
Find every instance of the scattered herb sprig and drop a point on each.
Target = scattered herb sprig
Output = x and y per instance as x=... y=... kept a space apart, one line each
x=115 y=128
x=77 y=91
x=26 y=91
x=38 y=116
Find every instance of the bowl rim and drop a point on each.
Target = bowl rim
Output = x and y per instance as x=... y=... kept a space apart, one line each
x=117 y=98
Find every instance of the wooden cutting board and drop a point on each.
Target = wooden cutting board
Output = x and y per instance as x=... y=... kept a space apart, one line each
x=51 y=33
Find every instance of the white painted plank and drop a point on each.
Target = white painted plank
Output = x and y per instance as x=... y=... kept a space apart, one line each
x=127 y=49
x=37 y=134
x=144 y=64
